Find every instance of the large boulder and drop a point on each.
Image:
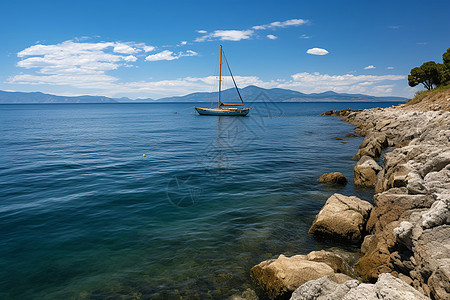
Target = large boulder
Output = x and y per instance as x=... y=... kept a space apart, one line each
x=365 y=172
x=387 y=287
x=342 y=218
x=333 y=178
x=281 y=276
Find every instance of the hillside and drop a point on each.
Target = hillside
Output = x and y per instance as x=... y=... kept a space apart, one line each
x=253 y=93
x=249 y=94
x=437 y=99
x=37 y=97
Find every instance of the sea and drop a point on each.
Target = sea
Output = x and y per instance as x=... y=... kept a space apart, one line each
x=152 y=201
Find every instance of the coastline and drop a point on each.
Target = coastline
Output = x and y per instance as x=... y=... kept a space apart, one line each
x=406 y=234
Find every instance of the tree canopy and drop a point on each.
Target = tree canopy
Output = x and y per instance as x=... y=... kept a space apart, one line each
x=431 y=74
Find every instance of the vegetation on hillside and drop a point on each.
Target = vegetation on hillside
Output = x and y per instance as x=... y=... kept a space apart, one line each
x=431 y=74
x=436 y=92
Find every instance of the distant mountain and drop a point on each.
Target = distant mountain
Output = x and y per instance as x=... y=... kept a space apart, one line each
x=37 y=97
x=253 y=93
x=250 y=93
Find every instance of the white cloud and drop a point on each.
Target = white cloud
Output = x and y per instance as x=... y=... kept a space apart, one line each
x=71 y=57
x=148 y=48
x=304 y=36
x=189 y=53
x=369 y=67
x=164 y=55
x=76 y=63
x=226 y=35
x=183 y=43
x=169 y=55
x=130 y=58
x=238 y=35
x=348 y=83
x=317 y=51
x=292 y=22
x=124 y=48
x=272 y=37
x=390 y=68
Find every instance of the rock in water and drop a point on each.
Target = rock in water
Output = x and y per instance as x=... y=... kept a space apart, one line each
x=281 y=276
x=333 y=178
x=365 y=172
x=387 y=287
x=342 y=218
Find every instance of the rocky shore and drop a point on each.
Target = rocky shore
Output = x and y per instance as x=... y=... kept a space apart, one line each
x=405 y=236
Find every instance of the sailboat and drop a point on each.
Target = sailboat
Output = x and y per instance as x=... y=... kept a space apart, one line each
x=224 y=109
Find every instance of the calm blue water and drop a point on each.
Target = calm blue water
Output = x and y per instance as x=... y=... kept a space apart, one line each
x=84 y=215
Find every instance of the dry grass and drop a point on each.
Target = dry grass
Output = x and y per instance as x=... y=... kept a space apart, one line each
x=436 y=99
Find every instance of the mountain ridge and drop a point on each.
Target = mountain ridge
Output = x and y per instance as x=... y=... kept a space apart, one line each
x=250 y=93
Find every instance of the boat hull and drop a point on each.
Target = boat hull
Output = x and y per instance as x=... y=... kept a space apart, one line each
x=222 y=112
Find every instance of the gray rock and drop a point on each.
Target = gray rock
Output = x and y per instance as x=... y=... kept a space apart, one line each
x=365 y=172
x=323 y=288
x=387 y=287
x=438 y=214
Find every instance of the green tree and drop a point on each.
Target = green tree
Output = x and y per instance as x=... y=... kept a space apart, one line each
x=444 y=74
x=444 y=69
x=427 y=74
x=446 y=58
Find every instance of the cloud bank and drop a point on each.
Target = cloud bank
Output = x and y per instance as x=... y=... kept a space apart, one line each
x=238 y=35
x=83 y=64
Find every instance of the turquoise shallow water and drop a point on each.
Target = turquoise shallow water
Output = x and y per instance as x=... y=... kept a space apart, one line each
x=84 y=215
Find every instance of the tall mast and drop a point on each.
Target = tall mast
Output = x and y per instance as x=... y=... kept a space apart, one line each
x=220 y=74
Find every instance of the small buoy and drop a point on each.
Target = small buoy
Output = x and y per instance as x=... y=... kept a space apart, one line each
x=143 y=155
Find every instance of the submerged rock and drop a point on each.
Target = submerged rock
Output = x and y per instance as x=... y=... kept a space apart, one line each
x=333 y=178
x=342 y=218
x=336 y=113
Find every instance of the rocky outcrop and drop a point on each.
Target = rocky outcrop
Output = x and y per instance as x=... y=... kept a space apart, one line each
x=387 y=287
x=280 y=277
x=409 y=226
x=408 y=229
x=366 y=171
x=333 y=178
x=342 y=218
x=337 y=113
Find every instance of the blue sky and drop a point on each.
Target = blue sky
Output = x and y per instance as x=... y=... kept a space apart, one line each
x=154 y=49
